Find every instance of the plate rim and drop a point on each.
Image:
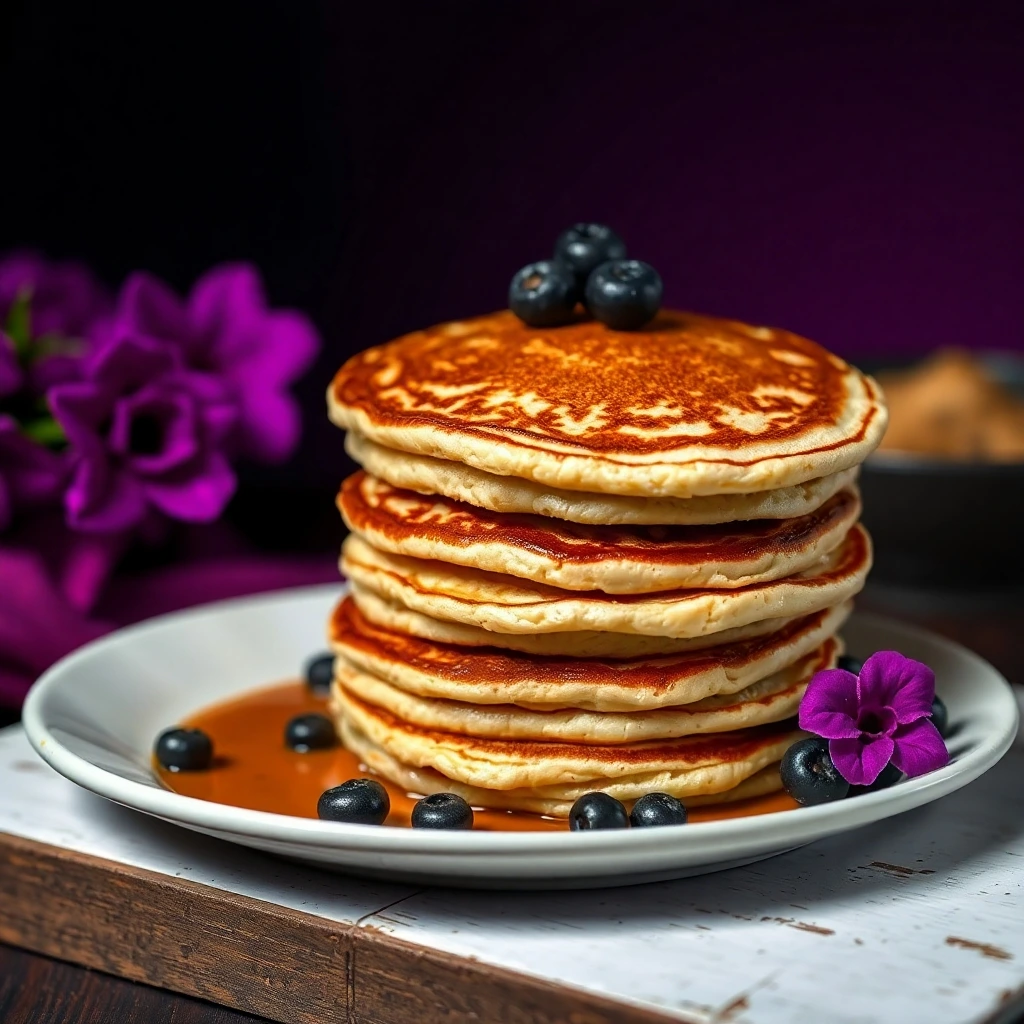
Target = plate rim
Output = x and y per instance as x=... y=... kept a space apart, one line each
x=224 y=820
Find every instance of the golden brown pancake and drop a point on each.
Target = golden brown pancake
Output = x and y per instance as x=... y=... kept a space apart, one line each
x=586 y=643
x=772 y=699
x=554 y=801
x=496 y=676
x=690 y=406
x=508 y=605
x=456 y=480
x=687 y=767
x=616 y=560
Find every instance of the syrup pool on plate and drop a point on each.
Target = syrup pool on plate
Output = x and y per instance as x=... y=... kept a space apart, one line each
x=254 y=769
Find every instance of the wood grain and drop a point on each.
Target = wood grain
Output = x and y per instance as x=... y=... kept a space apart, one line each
x=38 y=990
x=258 y=957
x=396 y=982
x=173 y=933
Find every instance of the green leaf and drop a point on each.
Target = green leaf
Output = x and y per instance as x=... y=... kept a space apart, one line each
x=19 y=321
x=52 y=344
x=47 y=431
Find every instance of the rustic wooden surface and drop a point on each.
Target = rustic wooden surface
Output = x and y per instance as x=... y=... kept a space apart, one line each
x=918 y=919
x=39 y=990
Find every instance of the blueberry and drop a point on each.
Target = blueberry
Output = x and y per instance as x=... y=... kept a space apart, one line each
x=624 y=294
x=310 y=732
x=657 y=809
x=597 y=810
x=584 y=247
x=358 y=801
x=809 y=775
x=442 y=810
x=940 y=716
x=543 y=294
x=888 y=776
x=184 y=750
x=320 y=673
x=850 y=663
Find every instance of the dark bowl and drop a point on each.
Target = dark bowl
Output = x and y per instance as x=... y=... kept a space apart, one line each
x=937 y=522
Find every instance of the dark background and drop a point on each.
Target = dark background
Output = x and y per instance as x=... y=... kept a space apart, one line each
x=853 y=171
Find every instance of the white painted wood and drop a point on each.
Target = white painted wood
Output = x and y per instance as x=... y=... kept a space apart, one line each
x=852 y=929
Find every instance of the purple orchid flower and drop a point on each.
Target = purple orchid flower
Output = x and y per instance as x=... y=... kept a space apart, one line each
x=225 y=329
x=147 y=435
x=66 y=298
x=882 y=715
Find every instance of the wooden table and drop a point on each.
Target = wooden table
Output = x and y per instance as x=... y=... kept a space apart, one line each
x=934 y=897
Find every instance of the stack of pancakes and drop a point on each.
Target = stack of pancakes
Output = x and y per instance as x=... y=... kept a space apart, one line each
x=584 y=559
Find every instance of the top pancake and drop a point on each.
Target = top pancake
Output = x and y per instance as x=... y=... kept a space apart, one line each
x=691 y=406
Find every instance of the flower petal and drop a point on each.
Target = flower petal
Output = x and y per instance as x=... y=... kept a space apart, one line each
x=860 y=761
x=127 y=362
x=146 y=305
x=919 y=748
x=10 y=372
x=198 y=493
x=905 y=685
x=103 y=500
x=829 y=705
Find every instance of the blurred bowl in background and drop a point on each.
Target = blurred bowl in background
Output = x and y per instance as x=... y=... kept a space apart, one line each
x=941 y=522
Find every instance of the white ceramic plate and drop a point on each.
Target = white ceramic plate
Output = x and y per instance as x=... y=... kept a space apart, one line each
x=94 y=717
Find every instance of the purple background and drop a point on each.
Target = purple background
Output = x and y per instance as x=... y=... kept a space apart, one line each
x=852 y=171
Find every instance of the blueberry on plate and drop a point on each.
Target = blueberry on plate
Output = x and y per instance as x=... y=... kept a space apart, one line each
x=940 y=716
x=597 y=810
x=809 y=775
x=851 y=664
x=543 y=294
x=442 y=810
x=310 y=732
x=624 y=294
x=320 y=673
x=584 y=247
x=358 y=802
x=887 y=777
x=184 y=750
x=654 y=809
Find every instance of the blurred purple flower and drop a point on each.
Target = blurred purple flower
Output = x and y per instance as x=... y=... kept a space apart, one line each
x=147 y=435
x=38 y=624
x=11 y=377
x=225 y=328
x=66 y=298
x=881 y=715
x=30 y=475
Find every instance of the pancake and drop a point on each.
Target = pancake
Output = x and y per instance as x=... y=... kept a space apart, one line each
x=771 y=699
x=493 y=676
x=507 y=605
x=555 y=802
x=427 y=475
x=613 y=559
x=690 y=406
x=572 y=644
x=686 y=767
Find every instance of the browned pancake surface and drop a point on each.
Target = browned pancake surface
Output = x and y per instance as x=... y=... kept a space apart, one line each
x=482 y=665
x=686 y=378
x=372 y=506
x=708 y=748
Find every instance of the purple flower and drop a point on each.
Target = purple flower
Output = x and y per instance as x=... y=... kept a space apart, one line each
x=30 y=475
x=11 y=377
x=147 y=435
x=225 y=329
x=66 y=307
x=66 y=299
x=882 y=715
